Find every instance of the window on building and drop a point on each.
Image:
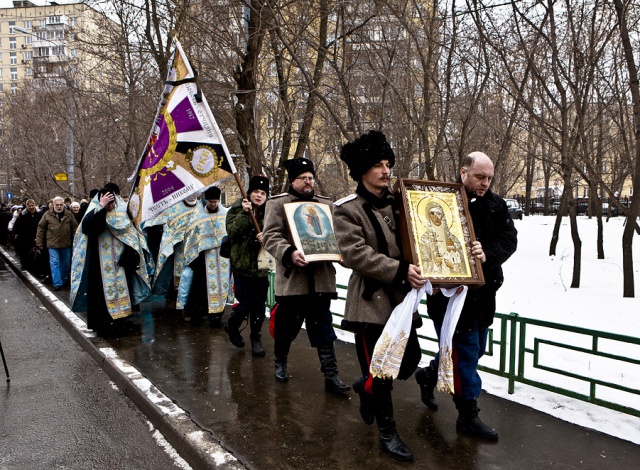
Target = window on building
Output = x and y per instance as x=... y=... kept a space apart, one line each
x=14 y=88
x=1 y=88
x=0 y=73
x=73 y=21
x=13 y=58
x=28 y=71
x=42 y=51
x=13 y=43
x=28 y=24
x=54 y=19
x=28 y=55
x=28 y=40
x=12 y=25
x=14 y=73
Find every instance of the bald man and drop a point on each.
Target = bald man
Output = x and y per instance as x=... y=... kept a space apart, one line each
x=496 y=241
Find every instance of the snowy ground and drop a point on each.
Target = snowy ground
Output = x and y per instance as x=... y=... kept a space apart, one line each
x=537 y=286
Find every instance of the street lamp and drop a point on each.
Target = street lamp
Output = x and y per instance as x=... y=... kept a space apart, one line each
x=70 y=114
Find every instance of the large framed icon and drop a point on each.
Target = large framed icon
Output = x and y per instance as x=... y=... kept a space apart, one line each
x=437 y=232
x=311 y=227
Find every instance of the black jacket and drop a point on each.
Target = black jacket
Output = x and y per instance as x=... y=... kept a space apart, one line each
x=493 y=228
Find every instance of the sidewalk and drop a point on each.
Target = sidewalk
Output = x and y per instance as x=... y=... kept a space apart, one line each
x=198 y=384
x=59 y=410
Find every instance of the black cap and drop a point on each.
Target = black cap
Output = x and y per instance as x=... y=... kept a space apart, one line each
x=297 y=166
x=212 y=193
x=366 y=151
x=259 y=182
x=112 y=188
x=109 y=188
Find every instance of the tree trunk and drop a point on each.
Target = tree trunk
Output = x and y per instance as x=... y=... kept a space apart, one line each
x=632 y=214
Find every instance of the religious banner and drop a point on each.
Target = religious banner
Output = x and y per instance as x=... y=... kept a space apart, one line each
x=185 y=153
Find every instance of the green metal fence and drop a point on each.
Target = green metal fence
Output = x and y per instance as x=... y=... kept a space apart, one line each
x=541 y=353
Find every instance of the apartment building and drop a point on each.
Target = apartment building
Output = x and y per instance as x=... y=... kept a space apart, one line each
x=38 y=42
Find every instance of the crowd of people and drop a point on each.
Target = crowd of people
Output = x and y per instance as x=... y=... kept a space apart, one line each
x=203 y=256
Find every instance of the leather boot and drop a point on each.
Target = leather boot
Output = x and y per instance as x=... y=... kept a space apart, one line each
x=390 y=441
x=470 y=424
x=234 y=335
x=427 y=378
x=256 y=338
x=215 y=321
x=256 y=348
x=329 y=367
x=281 y=369
x=366 y=402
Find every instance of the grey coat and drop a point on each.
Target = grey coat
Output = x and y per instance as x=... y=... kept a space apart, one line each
x=317 y=278
x=378 y=282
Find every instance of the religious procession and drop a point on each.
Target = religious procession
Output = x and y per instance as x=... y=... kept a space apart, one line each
x=171 y=238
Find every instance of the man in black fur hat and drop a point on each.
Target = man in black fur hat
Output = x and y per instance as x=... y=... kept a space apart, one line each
x=303 y=290
x=366 y=228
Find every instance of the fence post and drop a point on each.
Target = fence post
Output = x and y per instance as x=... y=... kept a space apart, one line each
x=512 y=351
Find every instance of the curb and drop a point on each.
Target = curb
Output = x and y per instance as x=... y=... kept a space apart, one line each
x=196 y=445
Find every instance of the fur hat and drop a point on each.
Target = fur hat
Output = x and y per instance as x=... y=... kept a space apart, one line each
x=212 y=193
x=296 y=166
x=366 y=151
x=259 y=182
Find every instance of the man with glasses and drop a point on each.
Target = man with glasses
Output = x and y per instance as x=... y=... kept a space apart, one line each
x=303 y=290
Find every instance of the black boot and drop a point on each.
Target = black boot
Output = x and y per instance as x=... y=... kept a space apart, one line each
x=470 y=424
x=215 y=321
x=281 y=369
x=390 y=441
x=427 y=378
x=256 y=348
x=329 y=367
x=366 y=402
x=234 y=336
x=256 y=337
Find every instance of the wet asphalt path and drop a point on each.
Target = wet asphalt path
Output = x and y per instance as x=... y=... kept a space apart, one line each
x=269 y=425
x=60 y=410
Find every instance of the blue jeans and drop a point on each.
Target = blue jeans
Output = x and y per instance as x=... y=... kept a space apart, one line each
x=60 y=260
x=468 y=348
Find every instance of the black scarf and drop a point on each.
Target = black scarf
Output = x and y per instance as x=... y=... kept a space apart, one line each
x=374 y=202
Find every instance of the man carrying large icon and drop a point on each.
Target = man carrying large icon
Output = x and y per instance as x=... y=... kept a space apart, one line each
x=367 y=230
x=496 y=241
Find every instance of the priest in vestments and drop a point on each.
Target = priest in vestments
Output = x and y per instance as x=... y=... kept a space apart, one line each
x=109 y=270
x=211 y=283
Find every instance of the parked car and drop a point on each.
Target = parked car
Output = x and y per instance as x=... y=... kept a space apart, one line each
x=537 y=207
x=514 y=209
